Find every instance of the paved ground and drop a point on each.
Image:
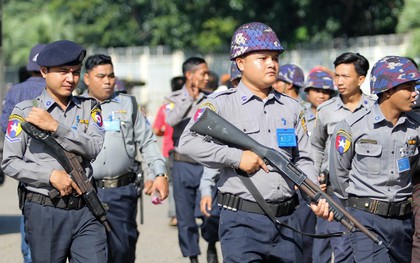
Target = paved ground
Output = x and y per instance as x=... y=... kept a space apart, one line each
x=158 y=241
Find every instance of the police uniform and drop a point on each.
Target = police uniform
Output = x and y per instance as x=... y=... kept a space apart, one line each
x=125 y=129
x=372 y=161
x=364 y=161
x=57 y=229
x=329 y=114
x=261 y=120
x=79 y=131
x=186 y=174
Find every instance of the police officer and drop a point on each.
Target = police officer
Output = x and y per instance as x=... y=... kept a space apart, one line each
x=319 y=87
x=186 y=172
x=372 y=159
x=115 y=168
x=349 y=74
x=289 y=81
x=259 y=111
x=60 y=228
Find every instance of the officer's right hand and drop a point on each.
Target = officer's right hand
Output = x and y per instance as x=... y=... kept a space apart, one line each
x=250 y=162
x=205 y=205
x=61 y=181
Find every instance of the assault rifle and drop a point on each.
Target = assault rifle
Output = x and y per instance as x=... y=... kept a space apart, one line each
x=212 y=125
x=72 y=165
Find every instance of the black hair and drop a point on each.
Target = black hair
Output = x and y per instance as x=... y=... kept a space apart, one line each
x=213 y=83
x=191 y=63
x=177 y=83
x=361 y=64
x=96 y=60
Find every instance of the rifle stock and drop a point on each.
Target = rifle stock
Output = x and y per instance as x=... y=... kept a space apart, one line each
x=213 y=125
x=72 y=165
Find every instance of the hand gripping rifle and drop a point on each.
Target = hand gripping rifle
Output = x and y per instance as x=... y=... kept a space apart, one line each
x=71 y=163
x=213 y=125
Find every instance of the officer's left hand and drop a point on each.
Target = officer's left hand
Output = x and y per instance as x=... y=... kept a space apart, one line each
x=161 y=185
x=205 y=205
x=322 y=210
x=42 y=119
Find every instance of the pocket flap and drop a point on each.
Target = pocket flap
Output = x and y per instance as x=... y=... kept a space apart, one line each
x=368 y=149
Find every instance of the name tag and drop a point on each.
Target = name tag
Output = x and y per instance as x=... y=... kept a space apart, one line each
x=286 y=137
x=112 y=125
x=403 y=164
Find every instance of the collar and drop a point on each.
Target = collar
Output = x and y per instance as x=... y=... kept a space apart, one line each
x=245 y=94
x=46 y=100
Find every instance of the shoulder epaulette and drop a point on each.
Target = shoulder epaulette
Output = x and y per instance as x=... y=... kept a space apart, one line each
x=356 y=116
x=221 y=93
x=325 y=103
x=25 y=104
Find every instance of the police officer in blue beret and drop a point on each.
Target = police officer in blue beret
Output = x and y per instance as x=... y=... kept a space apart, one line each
x=60 y=228
x=246 y=232
x=373 y=156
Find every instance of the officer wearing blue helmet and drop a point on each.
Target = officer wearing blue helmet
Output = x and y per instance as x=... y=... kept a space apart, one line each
x=373 y=156
x=60 y=228
x=290 y=81
x=246 y=233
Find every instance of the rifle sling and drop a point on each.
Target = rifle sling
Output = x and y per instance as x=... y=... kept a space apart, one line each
x=265 y=207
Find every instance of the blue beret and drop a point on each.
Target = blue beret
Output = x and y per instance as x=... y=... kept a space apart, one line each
x=61 y=52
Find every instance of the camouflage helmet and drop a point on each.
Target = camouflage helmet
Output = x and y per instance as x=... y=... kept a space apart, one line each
x=252 y=37
x=319 y=79
x=235 y=73
x=291 y=74
x=390 y=72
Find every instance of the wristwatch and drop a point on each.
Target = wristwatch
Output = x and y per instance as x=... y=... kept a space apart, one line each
x=163 y=175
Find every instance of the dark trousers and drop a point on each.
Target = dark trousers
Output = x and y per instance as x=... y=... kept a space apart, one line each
x=339 y=246
x=416 y=217
x=396 y=234
x=186 y=181
x=307 y=220
x=250 y=237
x=55 y=235
x=121 y=205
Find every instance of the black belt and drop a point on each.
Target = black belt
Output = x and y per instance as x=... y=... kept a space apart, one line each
x=121 y=180
x=386 y=209
x=69 y=202
x=183 y=158
x=235 y=203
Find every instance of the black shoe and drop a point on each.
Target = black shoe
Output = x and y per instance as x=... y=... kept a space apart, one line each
x=212 y=254
x=193 y=259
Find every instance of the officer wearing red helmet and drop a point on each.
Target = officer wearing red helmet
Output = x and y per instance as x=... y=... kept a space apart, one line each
x=246 y=233
x=372 y=159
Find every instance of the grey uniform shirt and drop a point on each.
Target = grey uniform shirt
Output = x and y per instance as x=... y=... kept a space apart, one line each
x=79 y=131
x=329 y=114
x=260 y=120
x=310 y=118
x=365 y=152
x=207 y=181
x=122 y=136
x=181 y=108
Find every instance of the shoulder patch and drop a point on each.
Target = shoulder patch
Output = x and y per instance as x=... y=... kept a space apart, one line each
x=303 y=121
x=342 y=141
x=207 y=104
x=14 y=128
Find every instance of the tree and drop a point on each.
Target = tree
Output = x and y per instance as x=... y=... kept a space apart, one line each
x=409 y=22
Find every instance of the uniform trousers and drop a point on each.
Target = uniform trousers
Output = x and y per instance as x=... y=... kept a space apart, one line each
x=186 y=181
x=396 y=234
x=307 y=220
x=251 y=237
x=121 y=203
x=55 y=235
x=339 y=246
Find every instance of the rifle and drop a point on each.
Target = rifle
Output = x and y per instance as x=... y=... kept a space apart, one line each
x=210 y=124
x=72 y=165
